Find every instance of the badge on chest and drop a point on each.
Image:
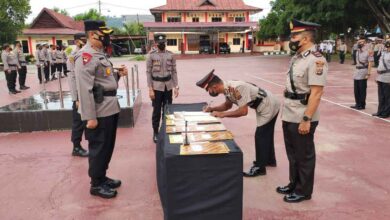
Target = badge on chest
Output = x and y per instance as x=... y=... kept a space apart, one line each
x=108 y=71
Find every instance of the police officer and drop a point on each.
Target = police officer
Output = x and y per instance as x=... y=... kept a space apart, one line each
x=53 y=62
x=364 y=59
x=97 y=83
x=39 y=60
x=383 y=80
x=342 y=52
x=162 y=79
x=354 y=51
x=306 y=79
x=59 y=60
x=23 y=70
x=46 y=54
x=78 y=125
x=246 y=95
x=11 y=66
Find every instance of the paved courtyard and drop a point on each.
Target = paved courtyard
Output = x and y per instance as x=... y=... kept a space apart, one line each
x=41 y=180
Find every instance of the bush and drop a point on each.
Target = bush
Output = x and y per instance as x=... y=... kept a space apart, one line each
x=139 y=58
x=30 y=58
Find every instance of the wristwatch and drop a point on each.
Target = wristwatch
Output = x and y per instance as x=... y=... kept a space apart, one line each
x=306 y=118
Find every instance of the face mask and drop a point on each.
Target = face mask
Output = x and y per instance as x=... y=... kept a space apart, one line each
x=161 y=46
x=387 y=44
x=294 y=46
x=105 y=39
x=360 y=46
x=213 y=94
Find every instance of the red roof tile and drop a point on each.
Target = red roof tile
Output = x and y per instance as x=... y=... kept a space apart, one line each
x=51 y=31
x=195 y=5
x=66 y=25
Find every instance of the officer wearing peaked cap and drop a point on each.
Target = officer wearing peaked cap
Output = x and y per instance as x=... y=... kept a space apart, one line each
x=78 y=125
x=97 y=83
x=305 y=81
x=162 y=79
x=247 y=95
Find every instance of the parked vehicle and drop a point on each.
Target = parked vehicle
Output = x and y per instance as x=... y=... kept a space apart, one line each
x=224 y=48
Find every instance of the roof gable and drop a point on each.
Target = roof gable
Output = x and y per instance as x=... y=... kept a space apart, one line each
x=206 y=2
x=48 y=18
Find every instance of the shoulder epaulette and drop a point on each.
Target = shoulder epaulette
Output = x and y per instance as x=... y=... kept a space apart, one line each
x=317 y=54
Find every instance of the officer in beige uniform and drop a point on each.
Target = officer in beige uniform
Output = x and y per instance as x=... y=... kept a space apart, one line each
x=23 y=64
x=383 y=80
x=306 y=79
x=39 y=60
x=162 y=79
x=11 y=66
x=97 y=83
x=246 y=95
x=342 y=52
x=59 y=60
x=78 y=125
x=46 y=54
x=364 y=60
x=53 y=61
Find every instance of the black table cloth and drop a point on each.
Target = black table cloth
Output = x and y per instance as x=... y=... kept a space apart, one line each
x=198 y=187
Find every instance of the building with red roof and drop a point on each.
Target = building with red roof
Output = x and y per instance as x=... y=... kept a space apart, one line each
x=52 y=28
x=189 y=24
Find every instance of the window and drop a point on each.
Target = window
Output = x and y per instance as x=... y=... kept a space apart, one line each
x=239 y=19
x=195 y=19
x=25 y=46
x=174 y=19
x=216 y=19
x=172 y=42
x=236 y=41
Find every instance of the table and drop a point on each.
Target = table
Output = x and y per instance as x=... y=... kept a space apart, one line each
x=198 y=187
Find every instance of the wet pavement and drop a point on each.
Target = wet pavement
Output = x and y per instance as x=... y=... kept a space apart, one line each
x=41 y=180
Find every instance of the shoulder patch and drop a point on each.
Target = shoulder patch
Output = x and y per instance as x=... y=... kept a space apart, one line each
x=320 y=67
x=87 y=57
x=317 y=54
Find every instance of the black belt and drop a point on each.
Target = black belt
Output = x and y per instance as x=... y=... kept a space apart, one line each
x=41 y=60
x=109 y=93
x=12 y=65
x=295 y=96
x=383 y=71
x=162 y=79
x=361 y=67
x=22 y=61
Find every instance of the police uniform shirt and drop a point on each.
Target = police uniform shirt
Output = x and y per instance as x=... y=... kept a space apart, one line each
x=343 y=48
x=10 y=61
x=52 y=56
x=309 y=69
x=384 y=59
x=72 y=76
x=363 y=57
x=40 y=55
x=58 y=56
x=92 y=67
x=20 y=56
x=244 y=92
x=46 y=54
x=161 y=64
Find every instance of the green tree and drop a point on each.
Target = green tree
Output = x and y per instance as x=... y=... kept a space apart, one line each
x=119 y=31
x=13 y=13
x=61 y=11
x=381 y=11
x=134 y=28
x=92 y=14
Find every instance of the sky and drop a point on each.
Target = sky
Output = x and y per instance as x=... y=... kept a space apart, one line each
x=120 y=7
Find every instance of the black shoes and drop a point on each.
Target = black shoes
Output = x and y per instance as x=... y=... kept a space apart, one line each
x=12 y=92
x=103 y=191
x=255 y=171
x=284 y=189
x=112 y=183
x=54 y=78
x=155 y=137
x=24 y=87
x=358 y=107
x=79 y=152
x=295 y=198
